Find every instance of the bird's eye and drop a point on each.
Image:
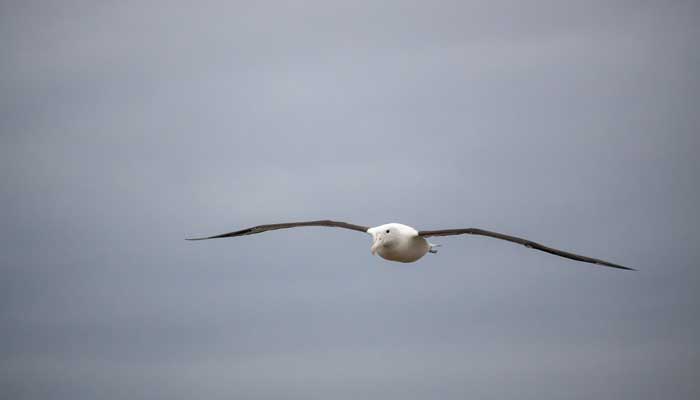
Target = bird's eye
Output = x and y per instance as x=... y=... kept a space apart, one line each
x=387 y=231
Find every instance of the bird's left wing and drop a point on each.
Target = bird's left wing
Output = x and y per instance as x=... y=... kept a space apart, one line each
x=271 y=227
x=524 y=242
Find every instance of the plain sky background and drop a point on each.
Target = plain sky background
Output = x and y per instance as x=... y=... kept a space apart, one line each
x=126 y=126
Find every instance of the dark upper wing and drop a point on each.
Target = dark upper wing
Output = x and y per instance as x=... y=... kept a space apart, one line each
x=524 y=242
x=272 y=227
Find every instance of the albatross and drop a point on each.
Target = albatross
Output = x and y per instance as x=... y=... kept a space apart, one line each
x=402 y=243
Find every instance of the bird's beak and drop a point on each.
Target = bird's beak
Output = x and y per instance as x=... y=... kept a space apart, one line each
x=375 y=245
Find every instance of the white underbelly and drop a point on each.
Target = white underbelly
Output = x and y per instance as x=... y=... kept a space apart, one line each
x=406 y=252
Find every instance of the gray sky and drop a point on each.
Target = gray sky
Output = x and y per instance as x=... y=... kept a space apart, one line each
x=126 y=127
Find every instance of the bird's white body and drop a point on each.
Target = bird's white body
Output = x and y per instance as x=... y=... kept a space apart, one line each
x=398 y=242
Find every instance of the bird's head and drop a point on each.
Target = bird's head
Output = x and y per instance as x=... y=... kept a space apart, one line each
x=387 y=236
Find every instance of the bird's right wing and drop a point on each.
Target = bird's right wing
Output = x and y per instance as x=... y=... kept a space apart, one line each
x=524 y=242
x=271 y=227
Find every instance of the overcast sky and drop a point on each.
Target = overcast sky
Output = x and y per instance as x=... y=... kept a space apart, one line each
x=125 y=127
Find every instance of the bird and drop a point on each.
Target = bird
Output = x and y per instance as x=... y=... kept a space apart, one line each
x=402 y=243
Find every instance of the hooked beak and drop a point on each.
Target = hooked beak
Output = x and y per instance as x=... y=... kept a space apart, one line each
x=375 y=245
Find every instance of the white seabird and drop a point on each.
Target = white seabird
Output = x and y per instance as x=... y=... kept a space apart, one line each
x=398 y=242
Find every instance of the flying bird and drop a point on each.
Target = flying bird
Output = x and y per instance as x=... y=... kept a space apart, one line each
x=398 y=242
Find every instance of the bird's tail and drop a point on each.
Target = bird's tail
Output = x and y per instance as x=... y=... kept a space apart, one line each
x=432 y=248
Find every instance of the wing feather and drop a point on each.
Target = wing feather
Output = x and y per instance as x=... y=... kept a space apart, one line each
x=271 y=227
x=524 y=242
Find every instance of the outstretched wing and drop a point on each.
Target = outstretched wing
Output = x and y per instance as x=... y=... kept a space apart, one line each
x=524 y=242
x=272 y=227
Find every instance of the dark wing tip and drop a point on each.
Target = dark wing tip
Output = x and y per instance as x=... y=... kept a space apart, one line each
x=201 y=238
x=607 y=264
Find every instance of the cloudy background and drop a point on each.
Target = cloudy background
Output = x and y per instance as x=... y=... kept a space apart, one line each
x=125 y=127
